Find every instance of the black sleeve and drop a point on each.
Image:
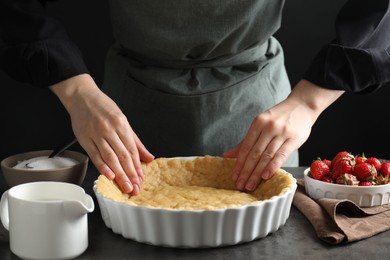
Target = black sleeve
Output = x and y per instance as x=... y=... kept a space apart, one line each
x=358 y=60
x=35 y=48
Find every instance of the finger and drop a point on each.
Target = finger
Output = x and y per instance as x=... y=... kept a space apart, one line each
x=96 y=159
x=127 y=182
x=280 y=157
x=266 y=157
x=252 y=160
x=245 y=147
x=232 y=153
x=129 y=157
x=101 y=165
x=145 y=155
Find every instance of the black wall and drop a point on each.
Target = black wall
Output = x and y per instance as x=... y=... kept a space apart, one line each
x=34 y=118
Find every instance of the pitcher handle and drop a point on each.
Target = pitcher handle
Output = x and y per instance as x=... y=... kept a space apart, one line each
x=4 y=213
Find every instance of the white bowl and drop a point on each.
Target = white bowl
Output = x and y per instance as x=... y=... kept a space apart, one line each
x=197 y=228
x=72 y=174
x=363 y=196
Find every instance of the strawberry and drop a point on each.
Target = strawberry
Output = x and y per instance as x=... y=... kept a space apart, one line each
x=319 y=169
x=347 y=179
x=360 y=159
x=328 y=162
x=348 y=169
x=364 y=171
x=340 y=155
x=381 y=180
x=327 y=179
x=366 y=183
x=374 y=161
x=341 y=166
x=385 y=169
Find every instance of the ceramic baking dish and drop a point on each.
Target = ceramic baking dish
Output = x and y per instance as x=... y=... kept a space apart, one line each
x=197 y=228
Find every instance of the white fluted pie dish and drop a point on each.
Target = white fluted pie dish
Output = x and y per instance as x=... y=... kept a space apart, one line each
x=192 y=228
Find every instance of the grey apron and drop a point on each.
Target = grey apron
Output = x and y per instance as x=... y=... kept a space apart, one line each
x=191 y=75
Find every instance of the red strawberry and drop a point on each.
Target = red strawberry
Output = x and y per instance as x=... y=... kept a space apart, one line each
x=347 y=179
x=374 y=161
x=341 y=166
x=364 y=171
x=360 y=159
x=319 y=169
x=328 y=162
x=366 y=183
x=327 y=179
x=340 y=155
x=385 y=169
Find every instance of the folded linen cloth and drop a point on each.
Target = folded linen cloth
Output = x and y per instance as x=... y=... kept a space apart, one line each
x=341 y=221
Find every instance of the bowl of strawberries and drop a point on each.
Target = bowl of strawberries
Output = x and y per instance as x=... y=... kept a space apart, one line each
x=359 y=178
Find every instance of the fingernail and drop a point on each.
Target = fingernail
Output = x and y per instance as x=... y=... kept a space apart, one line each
x=141 y=179
x=136 y=189
x=240 y=185
x=266 y=175
x=127 y=187
x=250 y=186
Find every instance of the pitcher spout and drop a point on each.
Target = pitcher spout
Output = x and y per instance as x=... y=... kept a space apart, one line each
x=77 y=208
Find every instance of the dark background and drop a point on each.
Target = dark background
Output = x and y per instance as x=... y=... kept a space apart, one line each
x=33 y=118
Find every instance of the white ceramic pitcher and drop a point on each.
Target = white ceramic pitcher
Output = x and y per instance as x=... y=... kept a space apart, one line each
x=46 y=220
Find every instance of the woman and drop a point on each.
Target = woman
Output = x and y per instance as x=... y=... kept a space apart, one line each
x=193 y=78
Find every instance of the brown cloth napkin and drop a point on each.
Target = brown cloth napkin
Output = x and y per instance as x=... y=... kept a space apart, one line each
x=341 y=221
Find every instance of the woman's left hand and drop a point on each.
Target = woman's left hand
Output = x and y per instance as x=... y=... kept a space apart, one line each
x=276 y=133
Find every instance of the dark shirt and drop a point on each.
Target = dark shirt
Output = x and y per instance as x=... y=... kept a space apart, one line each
x=35 y=48
x=358 y=59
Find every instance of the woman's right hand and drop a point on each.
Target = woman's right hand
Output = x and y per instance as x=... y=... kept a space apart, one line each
x=104 y=132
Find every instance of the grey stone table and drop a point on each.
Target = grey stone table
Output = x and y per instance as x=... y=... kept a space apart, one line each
x=294 y=240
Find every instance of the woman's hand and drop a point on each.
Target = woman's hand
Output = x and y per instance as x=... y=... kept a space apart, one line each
x=104 y=132
x=275 y=134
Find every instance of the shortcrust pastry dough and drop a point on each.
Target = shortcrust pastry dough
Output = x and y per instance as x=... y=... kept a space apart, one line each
x=203 y=183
